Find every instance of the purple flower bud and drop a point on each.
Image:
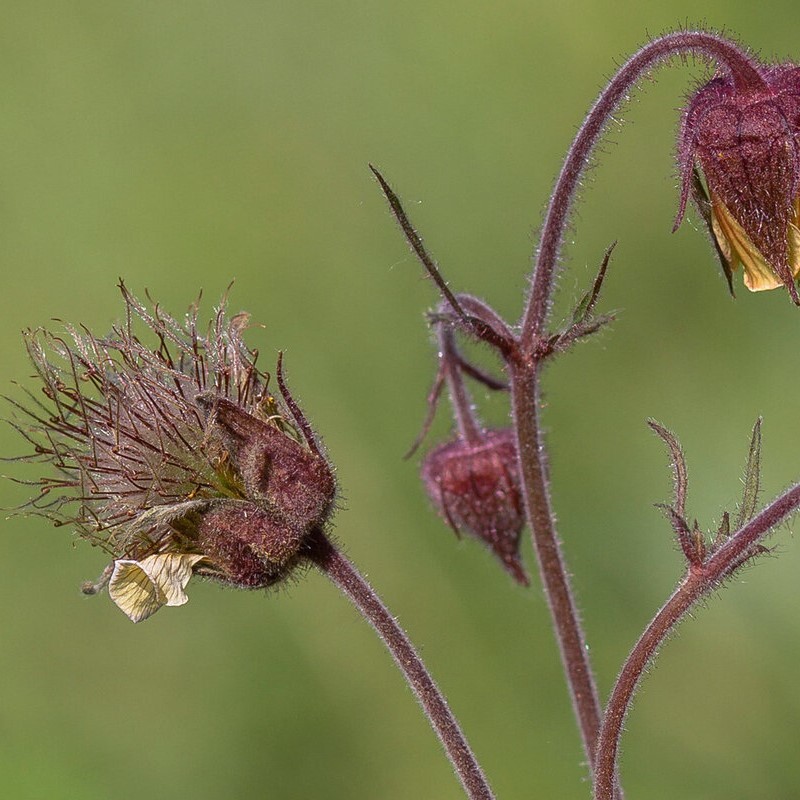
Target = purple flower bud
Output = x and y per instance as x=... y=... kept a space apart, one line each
x=475 y=486
x=747 y=145
x=173 y=455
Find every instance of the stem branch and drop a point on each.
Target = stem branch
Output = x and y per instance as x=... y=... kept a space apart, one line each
x=571 y=641
x=697 y=583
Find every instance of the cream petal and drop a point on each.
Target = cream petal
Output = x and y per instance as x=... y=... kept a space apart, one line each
x=171 y=572
x=794 y=240
x=134 y=591
x=140 y=588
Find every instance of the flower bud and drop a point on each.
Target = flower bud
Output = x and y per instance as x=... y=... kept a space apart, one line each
x=475 y=487
x=746 y=143
x=247 y=547
x=294 y=484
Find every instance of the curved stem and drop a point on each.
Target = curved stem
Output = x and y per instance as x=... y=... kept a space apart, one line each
x=571 y=641
x=746 y=78
x=469 y=428
x=697 y=583
x=347 y=578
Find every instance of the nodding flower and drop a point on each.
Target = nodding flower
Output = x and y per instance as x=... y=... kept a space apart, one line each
x=475 y=487
x=167 y=449
x=746 y=144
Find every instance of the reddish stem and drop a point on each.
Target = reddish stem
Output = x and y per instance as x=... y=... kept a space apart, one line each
x=730 y=56
x=347 y=578
x=469 y=427
x=524 y=360
x=697 y=583
x=569 y=633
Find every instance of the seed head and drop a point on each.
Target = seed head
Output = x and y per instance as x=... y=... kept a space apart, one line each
x=170 y=453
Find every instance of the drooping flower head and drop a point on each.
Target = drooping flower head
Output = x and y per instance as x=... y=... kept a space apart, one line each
x=171 y=453
x=745 y=140
x=475 y=487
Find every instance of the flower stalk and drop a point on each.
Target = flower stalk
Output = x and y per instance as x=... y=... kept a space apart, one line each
x=524 y=377
x=728 y=55
x=333 y=564
x=552 y=568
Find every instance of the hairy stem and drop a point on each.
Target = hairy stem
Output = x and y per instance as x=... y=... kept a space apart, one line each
x=698 y=582
x=524 y=361
x=571 y=641
x=469 y=428
x=347 y=578
x=727 y=54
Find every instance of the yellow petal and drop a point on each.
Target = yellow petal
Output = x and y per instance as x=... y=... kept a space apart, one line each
x=171 y=572
x=737 y=248
x=794 y=240
x=140 y=588
x=132 y=589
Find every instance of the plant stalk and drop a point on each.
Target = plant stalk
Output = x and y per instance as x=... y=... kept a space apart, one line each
x=552 y=569
x=343 y=574
x=730 y=56
x=698 y=582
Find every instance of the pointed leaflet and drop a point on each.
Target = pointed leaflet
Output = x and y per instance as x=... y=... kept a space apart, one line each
x=723 y=531
x=752 y=478
x=699 y=543
x=691 y=543
x=677 y=462
x=587 y=303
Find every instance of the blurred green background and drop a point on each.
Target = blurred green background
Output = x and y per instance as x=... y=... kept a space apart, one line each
x=185 y=144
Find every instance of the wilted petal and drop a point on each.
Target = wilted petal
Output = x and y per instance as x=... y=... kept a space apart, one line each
x=171 y=572
x=133 y=590
x=140 y=588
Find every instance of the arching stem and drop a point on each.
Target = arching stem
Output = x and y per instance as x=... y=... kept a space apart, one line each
x=739 y=548
x=327 y=558
x=728 y=55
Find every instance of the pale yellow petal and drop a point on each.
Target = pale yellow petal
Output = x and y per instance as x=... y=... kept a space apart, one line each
x=794 y=240
x=722 y=239
x=738 y=249
x=171 y=572
x=134 y=591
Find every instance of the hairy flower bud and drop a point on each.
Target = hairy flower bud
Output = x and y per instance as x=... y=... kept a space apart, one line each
x=173 y=456
x=747 y=145
x=475 y=486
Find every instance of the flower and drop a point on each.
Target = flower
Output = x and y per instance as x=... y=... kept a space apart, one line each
x=172 y=455
x=475 y=486
x=746 y=142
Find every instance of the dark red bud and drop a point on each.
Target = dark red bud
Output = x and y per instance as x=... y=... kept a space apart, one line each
x=747 y=144
x=475 y=486
x=293 y=484
x=246 y=546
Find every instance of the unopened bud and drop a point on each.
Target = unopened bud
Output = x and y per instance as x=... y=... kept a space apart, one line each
x=475 y=486
x=745 y=142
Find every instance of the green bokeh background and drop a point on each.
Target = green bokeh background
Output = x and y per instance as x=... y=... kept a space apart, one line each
x=185 y=144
